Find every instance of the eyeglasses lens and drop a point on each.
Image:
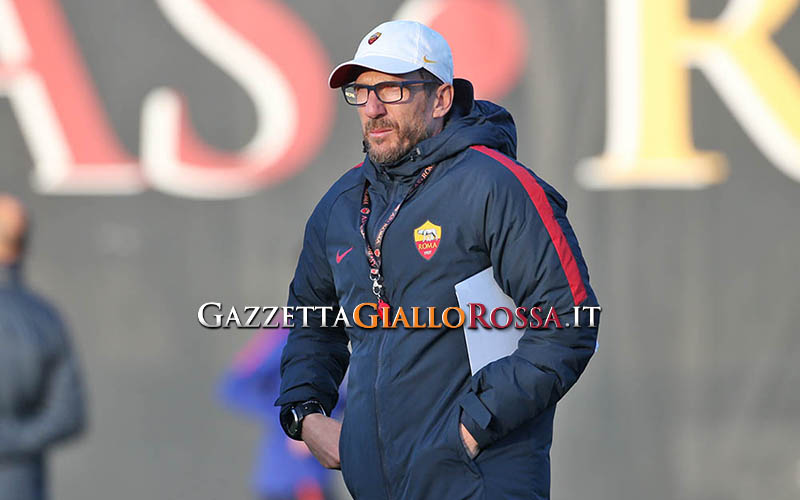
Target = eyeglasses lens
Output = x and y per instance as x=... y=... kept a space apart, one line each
x=387 y=92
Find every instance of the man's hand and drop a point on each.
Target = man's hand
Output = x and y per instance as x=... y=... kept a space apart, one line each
x=469 y=442
x=321 y=435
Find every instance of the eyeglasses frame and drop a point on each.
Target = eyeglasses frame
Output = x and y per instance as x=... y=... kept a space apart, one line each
x=374 y=89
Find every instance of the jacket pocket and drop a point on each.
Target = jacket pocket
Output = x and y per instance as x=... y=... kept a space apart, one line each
x=441 y=467
x=454 y=437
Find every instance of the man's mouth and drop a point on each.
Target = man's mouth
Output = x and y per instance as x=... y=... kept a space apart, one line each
x=380 y=132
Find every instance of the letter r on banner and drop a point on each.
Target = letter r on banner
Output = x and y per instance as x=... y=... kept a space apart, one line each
x=651 y=46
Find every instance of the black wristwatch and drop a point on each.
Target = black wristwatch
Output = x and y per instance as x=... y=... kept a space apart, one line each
x=292 y=417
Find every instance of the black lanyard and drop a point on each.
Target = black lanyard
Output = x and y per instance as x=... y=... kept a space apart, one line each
x=374 y=257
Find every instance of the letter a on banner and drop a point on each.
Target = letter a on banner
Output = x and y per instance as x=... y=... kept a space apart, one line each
x=73 y=147
x=278 y=62
x=651 y=46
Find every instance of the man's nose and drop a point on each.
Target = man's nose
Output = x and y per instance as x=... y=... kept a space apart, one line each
x=374 y=108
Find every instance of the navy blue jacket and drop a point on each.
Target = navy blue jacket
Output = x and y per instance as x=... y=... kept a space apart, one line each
x=408 y=389
x=41 y=395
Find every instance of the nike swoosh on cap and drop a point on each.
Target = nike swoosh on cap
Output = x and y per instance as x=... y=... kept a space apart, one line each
x=425 y=59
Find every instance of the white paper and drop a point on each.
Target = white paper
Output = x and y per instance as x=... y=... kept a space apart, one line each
x=486 y=345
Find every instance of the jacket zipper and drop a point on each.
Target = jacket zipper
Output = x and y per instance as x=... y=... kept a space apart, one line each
x=378 y=419
x=391 y=195
x=389 y=206
x=392 y=202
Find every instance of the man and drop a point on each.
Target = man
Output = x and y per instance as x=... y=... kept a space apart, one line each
x=40 y=393
x=438 y=199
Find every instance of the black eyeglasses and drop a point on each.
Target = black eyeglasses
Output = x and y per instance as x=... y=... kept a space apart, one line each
x=357 y=94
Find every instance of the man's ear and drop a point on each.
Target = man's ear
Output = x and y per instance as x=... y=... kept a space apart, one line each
x=443 y=100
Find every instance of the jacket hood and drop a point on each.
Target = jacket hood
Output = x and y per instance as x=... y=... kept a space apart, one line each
x=470 y=123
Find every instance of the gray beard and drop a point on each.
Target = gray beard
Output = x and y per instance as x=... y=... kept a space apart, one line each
x=391 y=157
x=388 y=158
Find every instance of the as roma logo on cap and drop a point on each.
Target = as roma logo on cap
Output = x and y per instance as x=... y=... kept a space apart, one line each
x=427 y=238
x=374 y=37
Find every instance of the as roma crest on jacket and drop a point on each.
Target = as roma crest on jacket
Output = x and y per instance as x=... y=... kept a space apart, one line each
x=427 y=238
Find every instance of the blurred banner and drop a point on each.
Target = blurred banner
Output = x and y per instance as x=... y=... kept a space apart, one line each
x=171 y=152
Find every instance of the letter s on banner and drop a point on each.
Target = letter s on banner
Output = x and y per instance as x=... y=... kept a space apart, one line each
x=71 y=143
x=278 y=62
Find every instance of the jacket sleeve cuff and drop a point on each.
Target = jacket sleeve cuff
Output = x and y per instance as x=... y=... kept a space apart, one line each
x=476 y=418
x=306 y=393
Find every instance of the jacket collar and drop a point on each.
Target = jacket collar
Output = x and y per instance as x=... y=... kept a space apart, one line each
x=10 y=275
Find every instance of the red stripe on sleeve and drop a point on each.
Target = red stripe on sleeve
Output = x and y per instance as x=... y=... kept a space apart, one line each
x=539 y=199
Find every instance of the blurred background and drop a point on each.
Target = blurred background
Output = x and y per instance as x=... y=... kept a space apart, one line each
x=170 y=152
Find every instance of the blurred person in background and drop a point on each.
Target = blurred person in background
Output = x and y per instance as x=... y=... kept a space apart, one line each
x=284 y=468
x=41 y=400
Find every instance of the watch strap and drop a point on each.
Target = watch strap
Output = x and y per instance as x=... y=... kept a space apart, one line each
x=292 y=417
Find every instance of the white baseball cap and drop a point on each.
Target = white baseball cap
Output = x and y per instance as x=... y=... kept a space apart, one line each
x=398 y=47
